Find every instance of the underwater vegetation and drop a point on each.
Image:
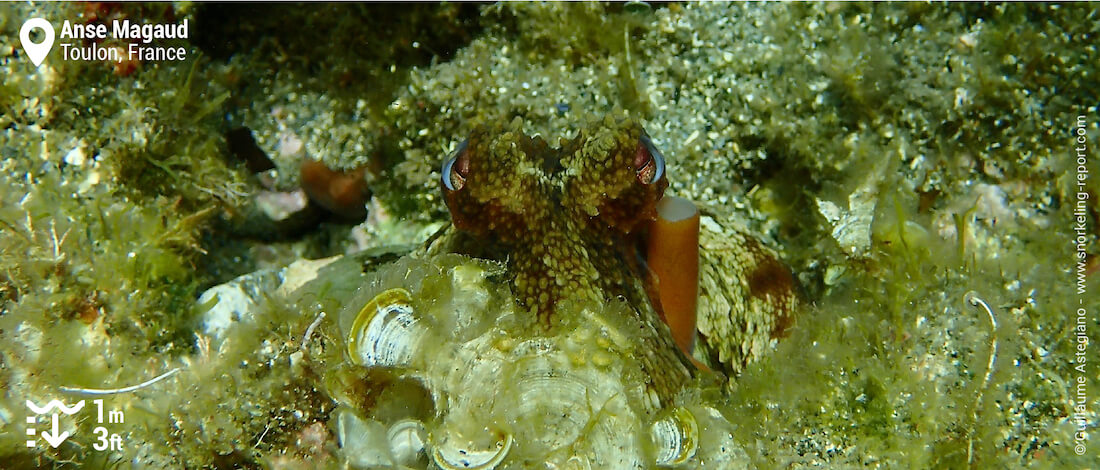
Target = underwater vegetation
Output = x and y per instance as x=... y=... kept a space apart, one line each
x=912 y=165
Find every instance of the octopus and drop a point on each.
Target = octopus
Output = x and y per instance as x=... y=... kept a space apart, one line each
x=534 y=331
x=572 y=223
x=564 y=215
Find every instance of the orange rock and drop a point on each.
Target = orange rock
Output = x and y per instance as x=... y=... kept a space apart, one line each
x=343 y=193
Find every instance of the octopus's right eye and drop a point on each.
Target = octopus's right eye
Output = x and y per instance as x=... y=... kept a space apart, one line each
x=648 y=162
x=455 y=168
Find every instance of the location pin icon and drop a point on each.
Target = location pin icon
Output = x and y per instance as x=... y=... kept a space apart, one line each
x=37 y=52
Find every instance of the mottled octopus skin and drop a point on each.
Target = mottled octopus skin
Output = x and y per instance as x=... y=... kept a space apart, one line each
x=568 y=219
x=748 y=298
x=556 y=208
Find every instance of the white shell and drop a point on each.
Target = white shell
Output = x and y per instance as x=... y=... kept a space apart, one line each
x=493 y=391
x=386 y=332
x=454 y=454
x=406 y=441
x=363 y=441
x=554 y=402
x=676 y=437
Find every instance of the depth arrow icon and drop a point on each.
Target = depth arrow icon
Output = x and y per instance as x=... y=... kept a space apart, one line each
x=55 y=439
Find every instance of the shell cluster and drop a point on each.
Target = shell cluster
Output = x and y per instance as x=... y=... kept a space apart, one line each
x=441 y=369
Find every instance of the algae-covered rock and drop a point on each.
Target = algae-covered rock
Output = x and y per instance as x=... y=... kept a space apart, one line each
x=502 y=391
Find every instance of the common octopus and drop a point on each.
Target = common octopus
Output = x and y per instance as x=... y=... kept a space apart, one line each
x=572 y=222
x=529 y=334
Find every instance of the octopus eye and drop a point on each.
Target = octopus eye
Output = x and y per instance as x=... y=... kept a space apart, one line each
x=455 y=168
x=648 y=162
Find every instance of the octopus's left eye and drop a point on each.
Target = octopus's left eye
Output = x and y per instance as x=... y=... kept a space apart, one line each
x=648 y=162
x=456 y=168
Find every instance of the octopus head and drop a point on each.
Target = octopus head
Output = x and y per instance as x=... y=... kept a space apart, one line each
x=502 y=182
